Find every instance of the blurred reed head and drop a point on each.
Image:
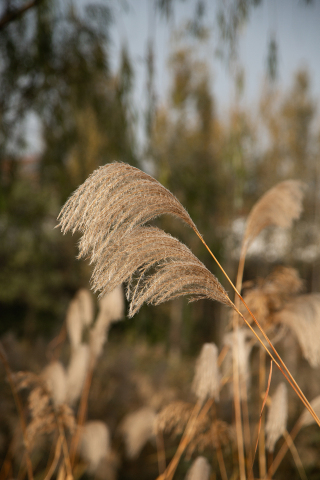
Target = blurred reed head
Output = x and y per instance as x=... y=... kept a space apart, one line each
x=199 y=470
x=279 y=206
x=306 y=418
x=109 y=210
x=94 y=444
x=302 y=316
x=79 y=316
x=206 y=381
x=137 y=429
x=276 y=423
x=76 y=372
x=111 y=309
x=55 y=379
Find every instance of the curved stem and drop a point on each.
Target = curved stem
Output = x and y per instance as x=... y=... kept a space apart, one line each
x=288 y=375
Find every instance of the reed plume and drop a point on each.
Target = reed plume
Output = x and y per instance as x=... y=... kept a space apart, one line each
x=156 y=267
x=111 y=202
x=74 y=323
x=199 y=470
x=76 y=372
x=279 y=206
x=268 y=296
x=173 y=418
x=306 y=418
x=55 y=378
x=84 y=298
x=206 y=381
x=277 y=416
x=94 y=443
x=116 y=200
x=302 y=316
x=110 y=208
x=137 y=429
x=111 y=309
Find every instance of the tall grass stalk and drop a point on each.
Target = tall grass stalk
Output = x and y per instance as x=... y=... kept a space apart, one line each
x=20 y=412
x=110 y=210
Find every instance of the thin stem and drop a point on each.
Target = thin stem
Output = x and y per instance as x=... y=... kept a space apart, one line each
x=81 y=415
x=283 y=450
x=292 y=381
x=262 y=442
x=236 y=398
x=20 y=411
x=169 y=472
x=55 y=459
x=222 y=465
x=160 y=452
x=295 y=455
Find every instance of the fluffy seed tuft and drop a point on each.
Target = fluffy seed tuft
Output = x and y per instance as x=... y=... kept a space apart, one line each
x=199 y=470
x=206 y=381
x=277 y=416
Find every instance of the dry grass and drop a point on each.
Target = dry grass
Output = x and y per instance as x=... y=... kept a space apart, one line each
x=110 y=210
x=278 y=206
x=302 y=316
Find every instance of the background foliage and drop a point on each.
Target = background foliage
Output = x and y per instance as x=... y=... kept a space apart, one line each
x=55 y=68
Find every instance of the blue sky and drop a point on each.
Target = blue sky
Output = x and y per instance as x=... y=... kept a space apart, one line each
x=295 y=25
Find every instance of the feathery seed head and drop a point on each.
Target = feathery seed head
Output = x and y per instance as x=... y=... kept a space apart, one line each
x=74 y=323
x=109 y=210
x=279 y=206
x=137 y=429
x=76 y=373
x=111 y=305
x=175 y=271
x=111 y=309
x=173 y=418
x=277 y=416
x=94 y=443
x=112 y=201
x=302 y=316
x=55 y=377
x=306 y=418
x=199 y=470
x=84 y=297
x=238 y=341
x=206 y=381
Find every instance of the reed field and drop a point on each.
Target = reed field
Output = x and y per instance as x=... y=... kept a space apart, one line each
x=89 y=404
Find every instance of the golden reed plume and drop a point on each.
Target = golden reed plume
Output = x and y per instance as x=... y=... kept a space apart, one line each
x=110 y=209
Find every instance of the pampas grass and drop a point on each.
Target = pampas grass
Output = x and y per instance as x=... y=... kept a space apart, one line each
x=206 y=381
x=279 y=206
x=137 y=429
x=302 y=316
x=306 y=419
x=276 y=424
x=199 y=470
x=114 y=200
x=173 y=270
x=85 y=301
x=111 y=309
x=240 y=344
x=94 y=443
x=55 y=379
x=76 y=372
x=74 y=323
x=111 y=210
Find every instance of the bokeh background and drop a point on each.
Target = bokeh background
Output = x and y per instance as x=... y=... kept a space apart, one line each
x=219 y=100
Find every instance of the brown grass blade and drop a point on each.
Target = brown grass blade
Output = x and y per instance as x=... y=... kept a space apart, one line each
x=156 y=267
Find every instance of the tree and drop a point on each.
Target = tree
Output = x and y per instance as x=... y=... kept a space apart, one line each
x=54 y=65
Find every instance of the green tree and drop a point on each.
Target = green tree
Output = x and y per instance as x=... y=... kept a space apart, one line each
x=54 y=65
